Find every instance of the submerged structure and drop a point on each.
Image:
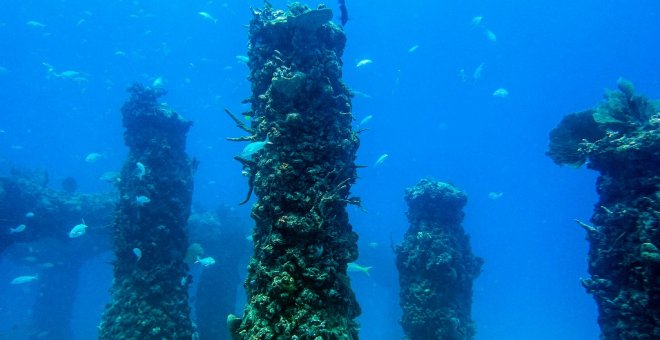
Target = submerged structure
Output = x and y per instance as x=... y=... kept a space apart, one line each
x=436 y=265
x=301 y=166
x=150 y=287
x=620 y=139
x=43 y=243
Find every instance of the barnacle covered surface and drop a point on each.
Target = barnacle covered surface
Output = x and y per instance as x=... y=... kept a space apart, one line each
x=149 y=295
x=624 y=261
x=436 y=265
x=297 y=284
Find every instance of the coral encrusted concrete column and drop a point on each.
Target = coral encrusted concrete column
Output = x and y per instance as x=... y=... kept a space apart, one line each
x=620 y=139
x=436 y=265
x=150 y=287
x=301 y=165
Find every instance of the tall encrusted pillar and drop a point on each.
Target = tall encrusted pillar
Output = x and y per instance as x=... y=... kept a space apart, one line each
x=620 y=139
x=150 y=287
x=301 y=165
x=436 y=265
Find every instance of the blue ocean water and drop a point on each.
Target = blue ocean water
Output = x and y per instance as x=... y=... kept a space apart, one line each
x=65 y=65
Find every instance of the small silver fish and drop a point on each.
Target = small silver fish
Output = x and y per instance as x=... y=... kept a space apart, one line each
x=142 y=200
x=413 y=49
x=18 y=229
x=356 y=268
x=93 y=157
x=24 y=279
x=501 y=93
x=36 y=24
x=364 y=62
x=138 y=253
x=207 y=261
x=29 y=214
x=141 y=170
x=381 y=159
x=243 y=59
x=491 y=36
x=365 y=120
x=253 y=148
x=78 y=230
x=208 y=17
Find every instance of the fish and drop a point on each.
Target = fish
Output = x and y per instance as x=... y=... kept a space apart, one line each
x=19 y=229
x=138 y=253
x=495 y=195
x=364 y=62
x=491 y=36
x=476 y=21
x=253 y=148
x=373 y=245
x=141 y=200
x=413 y=49
x=477 y=72
x=158 y=83
x=207 y=261
x=243 y=59
x=78 y=230
x=93 y=157
x=501 y=93
x=356 y=268
x=141 y=170
x=381 y=159
x=365 y=120
x=35 y=24
x=24 y=279
x=208 y=17
x=29 y=214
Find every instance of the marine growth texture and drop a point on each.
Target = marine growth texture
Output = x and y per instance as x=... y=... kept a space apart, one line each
x=620 y=139
x=297 y=286
x=150 y=287
x=436 y=265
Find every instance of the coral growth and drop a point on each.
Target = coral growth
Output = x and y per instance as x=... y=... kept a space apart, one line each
x=150 y=296
x=436 y=265
x=302 y=180
x=621 y=140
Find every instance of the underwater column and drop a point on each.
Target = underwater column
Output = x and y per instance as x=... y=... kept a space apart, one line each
x=436 y=265
x=301 y=166
x=620 y=139
x=150 y=286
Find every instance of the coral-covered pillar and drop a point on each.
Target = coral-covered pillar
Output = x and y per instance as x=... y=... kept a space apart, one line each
x=436 y=265
x=620 y=139
x=150 y=287
x=301 y=165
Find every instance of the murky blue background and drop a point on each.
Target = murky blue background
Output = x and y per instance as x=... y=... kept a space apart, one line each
x=430 y=114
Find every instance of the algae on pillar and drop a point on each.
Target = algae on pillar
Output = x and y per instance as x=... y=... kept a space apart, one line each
x=436 y=265
x=297 y=284
x=150 y=286
x=620 y=139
